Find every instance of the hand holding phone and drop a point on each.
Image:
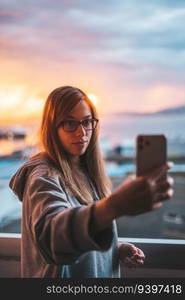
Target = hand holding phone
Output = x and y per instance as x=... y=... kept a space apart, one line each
x=146 y=192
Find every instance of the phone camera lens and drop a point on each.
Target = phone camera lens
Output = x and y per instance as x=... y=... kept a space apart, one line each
x=147 y=143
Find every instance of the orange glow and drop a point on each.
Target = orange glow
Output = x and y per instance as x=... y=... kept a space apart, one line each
x=10 y=98
x=19 y=104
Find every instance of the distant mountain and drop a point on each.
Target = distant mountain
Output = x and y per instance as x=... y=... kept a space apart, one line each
x=168 y=111
x=174 y=110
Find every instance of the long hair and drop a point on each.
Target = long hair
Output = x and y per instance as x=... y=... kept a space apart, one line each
x=59 y=103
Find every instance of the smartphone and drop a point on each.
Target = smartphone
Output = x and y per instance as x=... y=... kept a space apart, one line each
x=151 y=152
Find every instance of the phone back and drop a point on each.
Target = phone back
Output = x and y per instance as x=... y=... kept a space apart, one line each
x=151 y=152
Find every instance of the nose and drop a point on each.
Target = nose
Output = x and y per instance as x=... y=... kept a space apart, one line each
x=80 y=131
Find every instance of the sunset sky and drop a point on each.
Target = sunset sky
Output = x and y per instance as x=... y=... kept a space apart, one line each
x=130 y=54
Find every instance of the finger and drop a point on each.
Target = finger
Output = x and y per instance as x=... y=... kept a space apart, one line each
x=164 y=196
x=140 y=253
x=129 y=178
x=139 y=262
x=134 y=262
x=137 y=259
x=163 y=186
x=168 y=179
x=138 y=256
x=170 y=164
x=157 y=205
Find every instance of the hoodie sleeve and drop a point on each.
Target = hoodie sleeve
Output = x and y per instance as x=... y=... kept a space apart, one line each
x=61 y=232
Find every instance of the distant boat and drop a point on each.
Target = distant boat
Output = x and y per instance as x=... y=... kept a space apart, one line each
x=21 y=154
x=13 y=133
x=175 y=218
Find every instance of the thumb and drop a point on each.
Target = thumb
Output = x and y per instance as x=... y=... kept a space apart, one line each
x=129 y=178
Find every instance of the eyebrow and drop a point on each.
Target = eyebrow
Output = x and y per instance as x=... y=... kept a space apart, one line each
x=71 y=117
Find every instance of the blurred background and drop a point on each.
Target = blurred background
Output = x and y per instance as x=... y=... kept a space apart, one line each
x=128 y=56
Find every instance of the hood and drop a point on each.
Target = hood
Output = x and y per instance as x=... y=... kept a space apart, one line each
x=19 y=179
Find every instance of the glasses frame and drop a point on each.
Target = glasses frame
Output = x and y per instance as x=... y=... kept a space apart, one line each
x=78 y=124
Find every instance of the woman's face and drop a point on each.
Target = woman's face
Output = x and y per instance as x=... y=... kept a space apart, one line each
x=76 y=142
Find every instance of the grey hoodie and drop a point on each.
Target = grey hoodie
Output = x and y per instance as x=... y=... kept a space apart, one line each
x=56 y=241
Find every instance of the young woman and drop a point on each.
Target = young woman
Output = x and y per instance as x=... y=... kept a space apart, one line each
x=69 y=212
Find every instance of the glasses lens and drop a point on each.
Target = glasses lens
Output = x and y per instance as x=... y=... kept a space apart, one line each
x=70 y=125
x=88 y=124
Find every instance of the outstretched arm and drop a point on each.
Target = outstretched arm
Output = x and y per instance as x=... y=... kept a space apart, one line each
x=141 y=195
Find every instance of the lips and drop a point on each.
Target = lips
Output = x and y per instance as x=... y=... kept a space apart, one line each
x=80 y=143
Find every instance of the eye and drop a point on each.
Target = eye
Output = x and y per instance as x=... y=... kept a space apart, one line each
x=87 y=122
x=70 y=123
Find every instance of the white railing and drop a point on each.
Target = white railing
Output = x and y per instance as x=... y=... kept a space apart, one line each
x=164 y=258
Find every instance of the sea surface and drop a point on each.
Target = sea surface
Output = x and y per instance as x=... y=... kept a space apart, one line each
x=120 y=127
x=123 y=129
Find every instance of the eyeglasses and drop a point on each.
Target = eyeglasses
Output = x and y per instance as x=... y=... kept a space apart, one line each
x=71 y=126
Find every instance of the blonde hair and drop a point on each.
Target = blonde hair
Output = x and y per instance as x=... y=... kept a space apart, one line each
x=59 y=103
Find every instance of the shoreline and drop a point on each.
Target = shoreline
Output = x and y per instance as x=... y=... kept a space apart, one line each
x=120 y=159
